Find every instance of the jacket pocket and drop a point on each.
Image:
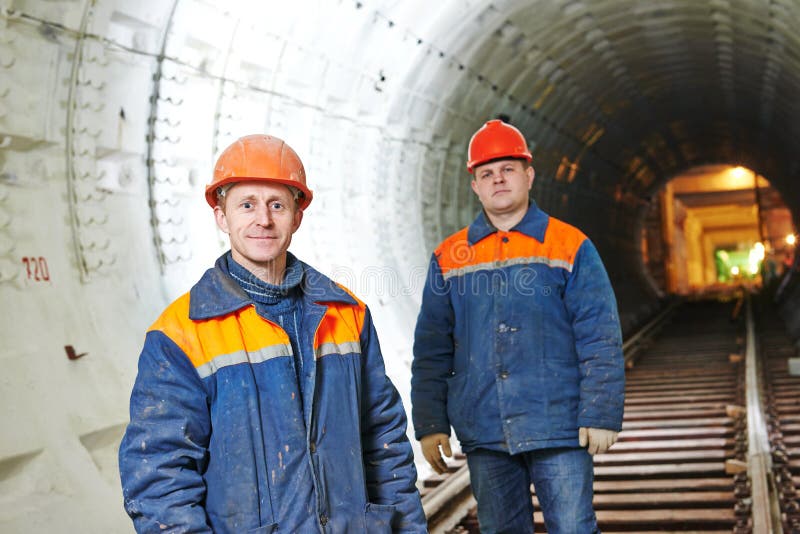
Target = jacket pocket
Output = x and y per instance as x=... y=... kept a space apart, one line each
x=378 y=518
x=266 y=529
x=459 y=410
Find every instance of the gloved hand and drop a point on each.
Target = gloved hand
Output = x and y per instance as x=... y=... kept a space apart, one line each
x=430 y=449
x=597 y=439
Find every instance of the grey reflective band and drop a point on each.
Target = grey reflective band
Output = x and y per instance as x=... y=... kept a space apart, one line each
x=241 y=356
x=499 y=264
x=348 y=347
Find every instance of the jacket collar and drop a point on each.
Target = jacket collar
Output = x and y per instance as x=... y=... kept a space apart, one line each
x=533 y=224
x=218 y=294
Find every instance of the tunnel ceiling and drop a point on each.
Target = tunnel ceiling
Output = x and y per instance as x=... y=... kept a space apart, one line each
x=618 y=96
x=615 y=97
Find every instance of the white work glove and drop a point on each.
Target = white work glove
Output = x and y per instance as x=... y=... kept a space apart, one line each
x=597 y=439
x=430 y=449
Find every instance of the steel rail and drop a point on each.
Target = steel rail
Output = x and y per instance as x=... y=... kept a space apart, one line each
x=449 y=502
x=632 y=345
x=759 y=460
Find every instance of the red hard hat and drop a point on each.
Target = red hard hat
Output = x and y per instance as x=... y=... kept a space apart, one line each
x=259 y=158
x=495 y=140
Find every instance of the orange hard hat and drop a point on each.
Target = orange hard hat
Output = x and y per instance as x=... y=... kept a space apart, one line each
x=495 y=140
x=259 y=158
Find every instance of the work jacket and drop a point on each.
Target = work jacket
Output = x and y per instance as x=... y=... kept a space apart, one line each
x=517 y=343
x=218 y=440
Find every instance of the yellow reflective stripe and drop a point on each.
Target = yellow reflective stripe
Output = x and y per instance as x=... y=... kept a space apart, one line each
x=498 y=264
x=241 y=356
x=347 y=347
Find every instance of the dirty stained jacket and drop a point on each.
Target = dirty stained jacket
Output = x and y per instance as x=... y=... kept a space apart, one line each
x=218 y=440
x=517 y=342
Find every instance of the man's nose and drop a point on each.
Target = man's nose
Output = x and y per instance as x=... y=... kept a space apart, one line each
x=263 y=216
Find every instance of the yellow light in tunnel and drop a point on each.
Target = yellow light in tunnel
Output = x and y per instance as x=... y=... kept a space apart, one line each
x=737 y=178
x=755 y=258
x=739 y=172
x=757 y=254
x=791 y=239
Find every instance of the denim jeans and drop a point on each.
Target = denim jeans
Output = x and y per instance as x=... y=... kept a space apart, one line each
x=562 y=477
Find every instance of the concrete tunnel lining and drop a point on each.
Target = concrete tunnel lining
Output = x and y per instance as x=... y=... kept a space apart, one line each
x=111 y=114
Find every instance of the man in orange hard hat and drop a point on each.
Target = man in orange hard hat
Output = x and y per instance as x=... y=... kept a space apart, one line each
x=518 y=348
x=261 y=402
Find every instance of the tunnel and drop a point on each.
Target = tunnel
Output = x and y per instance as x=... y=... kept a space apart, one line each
x=112 y=114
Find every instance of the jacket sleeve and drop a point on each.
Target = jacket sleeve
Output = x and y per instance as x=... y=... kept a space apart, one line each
x=163 y=452
x=433 y=356
x=388 y=458
x=592 y=306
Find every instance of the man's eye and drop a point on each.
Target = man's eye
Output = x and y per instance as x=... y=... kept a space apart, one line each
x=277 y=206
x=247 y=205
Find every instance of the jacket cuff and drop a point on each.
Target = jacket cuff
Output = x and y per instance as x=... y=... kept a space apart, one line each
x=605 y=424
x=426 y=430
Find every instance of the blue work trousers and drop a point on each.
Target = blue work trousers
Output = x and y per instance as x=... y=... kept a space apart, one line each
x=562 y=478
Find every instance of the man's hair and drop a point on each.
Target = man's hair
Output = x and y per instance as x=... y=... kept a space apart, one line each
x=222 y=190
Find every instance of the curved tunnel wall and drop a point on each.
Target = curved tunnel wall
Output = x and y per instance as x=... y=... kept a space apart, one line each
x=111 y=114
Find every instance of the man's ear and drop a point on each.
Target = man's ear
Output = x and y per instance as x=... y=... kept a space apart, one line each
x=298 y=218
x=222 y=221
x=474 y=186
x=531 y=176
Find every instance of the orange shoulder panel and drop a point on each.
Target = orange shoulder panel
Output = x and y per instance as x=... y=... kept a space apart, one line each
x=455 y=252
x=342 y=322
x=562 y=240
x=202 y=341
x=561 y=244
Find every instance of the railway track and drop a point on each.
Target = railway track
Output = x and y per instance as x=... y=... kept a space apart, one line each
x=782 y=394
x=688 y=458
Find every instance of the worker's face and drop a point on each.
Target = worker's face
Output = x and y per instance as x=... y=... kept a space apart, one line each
x=260 y=219
x=502 y=186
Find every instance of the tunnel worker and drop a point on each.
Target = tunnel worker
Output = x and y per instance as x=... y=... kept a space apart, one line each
x=261 y=402
x=518 y=348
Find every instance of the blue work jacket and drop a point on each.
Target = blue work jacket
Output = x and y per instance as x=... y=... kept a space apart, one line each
x=517 y=342
x=219 y=440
